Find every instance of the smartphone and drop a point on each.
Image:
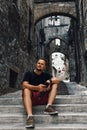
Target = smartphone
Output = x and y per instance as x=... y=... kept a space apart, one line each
x=47 y=84
x=43 y=93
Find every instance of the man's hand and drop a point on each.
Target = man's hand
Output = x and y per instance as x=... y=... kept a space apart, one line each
x=48 y=88
x=49 y=84
x=42 y=88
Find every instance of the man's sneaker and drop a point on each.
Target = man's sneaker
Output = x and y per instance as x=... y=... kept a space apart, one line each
x=50 y=110
x=30 y=122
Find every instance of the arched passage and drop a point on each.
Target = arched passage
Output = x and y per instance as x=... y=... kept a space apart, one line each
x=60 y=66
x=63 y=48
x=69 y=38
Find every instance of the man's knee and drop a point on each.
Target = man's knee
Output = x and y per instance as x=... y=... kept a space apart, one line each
x=27 y=92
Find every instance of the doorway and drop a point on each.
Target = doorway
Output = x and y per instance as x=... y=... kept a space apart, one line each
x=13 y=78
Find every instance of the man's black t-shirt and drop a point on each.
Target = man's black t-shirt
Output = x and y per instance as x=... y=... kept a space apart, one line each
x=35 y=79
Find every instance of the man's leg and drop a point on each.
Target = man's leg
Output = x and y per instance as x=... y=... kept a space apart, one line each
x=52 y=94
x=49 y=108
x=27 y=98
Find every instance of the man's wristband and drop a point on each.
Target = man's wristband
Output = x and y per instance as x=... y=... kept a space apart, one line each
x=50 y=81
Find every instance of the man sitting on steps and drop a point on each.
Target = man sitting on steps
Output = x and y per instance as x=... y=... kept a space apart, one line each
x=39 y=88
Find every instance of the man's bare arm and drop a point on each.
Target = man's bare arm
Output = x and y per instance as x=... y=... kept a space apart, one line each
x=54 y=80
x=40 y=87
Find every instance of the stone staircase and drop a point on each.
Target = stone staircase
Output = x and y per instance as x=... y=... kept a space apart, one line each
x=72 y=111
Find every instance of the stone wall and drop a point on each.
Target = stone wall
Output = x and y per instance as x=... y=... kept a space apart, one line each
x=83 y=39
x=14 y=45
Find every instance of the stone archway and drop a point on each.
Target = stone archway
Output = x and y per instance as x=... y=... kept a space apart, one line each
x=64 y=49
x=45 y=9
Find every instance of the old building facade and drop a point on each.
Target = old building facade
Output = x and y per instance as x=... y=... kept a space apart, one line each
x=18 y=41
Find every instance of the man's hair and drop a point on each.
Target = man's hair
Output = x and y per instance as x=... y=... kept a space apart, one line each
x=42 y=58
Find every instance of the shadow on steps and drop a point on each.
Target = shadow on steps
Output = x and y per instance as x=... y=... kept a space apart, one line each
x=62 y=89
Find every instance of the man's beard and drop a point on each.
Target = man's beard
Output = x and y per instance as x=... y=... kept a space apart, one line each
x=38 y=69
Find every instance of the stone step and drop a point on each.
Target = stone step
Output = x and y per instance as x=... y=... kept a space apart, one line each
x=39 y=109
x=71 y=99
x=21 y=126
x=72 y=113
x=63 y=108
x=67 y=118
x=76 y=89
x=66 y=99
x=10 y=101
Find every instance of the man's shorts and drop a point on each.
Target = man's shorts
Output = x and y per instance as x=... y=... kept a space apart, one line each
x=36 y=100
